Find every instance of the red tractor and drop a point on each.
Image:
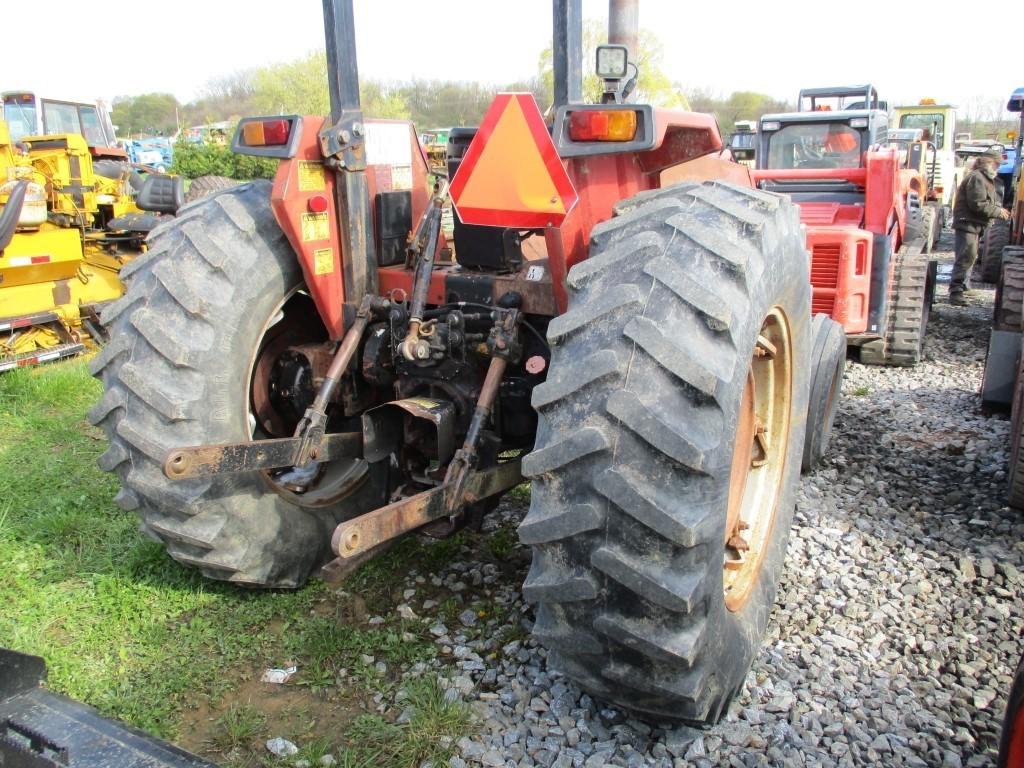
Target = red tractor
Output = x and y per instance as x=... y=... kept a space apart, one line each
x=297 y=376
x=868 y=217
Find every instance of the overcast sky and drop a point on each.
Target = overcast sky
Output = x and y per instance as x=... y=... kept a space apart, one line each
x=774 y=48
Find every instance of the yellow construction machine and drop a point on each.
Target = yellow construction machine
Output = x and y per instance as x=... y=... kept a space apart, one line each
x=69 y=221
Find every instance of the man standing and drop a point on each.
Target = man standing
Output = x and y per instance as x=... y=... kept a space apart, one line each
x=977 y=206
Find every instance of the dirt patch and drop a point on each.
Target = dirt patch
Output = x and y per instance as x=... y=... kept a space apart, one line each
x=294 y=712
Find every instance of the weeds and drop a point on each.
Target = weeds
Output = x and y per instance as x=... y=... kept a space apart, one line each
x=238 y=727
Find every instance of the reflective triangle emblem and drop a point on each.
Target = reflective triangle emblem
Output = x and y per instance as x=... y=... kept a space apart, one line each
x=511 y=174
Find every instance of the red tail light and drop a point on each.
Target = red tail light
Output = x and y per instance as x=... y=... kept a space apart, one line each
x=266 y=133
x=602 y=125
x=273 y=136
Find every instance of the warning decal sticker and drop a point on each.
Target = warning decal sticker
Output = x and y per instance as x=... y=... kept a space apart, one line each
x=315 y=226
x=323 y=261
x=311 y=176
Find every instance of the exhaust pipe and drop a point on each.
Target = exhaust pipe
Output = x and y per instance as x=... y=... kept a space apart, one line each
x=624 y=25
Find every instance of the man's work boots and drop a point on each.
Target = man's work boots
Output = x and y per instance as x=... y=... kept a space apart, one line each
x=960 y=298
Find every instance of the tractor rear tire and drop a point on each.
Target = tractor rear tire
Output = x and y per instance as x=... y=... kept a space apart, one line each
x=175 y=374
x=1009 y=302
x=990 y=257
x=828 y=363
x=203 y=186
x=652 y=368
x=907 y=317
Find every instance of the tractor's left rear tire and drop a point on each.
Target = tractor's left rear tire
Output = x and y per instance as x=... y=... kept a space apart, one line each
x=657 y=444
x=203 y=186
x=828 y=363
x=176 y=373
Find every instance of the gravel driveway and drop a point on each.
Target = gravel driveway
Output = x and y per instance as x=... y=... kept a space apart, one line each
x=898 y=620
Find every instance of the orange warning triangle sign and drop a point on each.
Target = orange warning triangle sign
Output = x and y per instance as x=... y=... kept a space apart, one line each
x=511 y=174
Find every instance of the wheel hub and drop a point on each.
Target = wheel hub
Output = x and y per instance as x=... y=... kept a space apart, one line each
x=282 y=383
x=759 y=458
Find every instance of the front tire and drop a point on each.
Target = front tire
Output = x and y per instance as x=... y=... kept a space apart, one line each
x=828 y=363
x=690 y=316
x=175 y=374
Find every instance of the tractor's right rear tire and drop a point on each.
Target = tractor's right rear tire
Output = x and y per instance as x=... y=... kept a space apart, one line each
x=204 y=186
x=175 y=374
x=828 y=363
x=690 y=315
x=990 y=257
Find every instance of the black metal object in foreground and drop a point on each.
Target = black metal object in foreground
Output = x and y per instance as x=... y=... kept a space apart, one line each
x=40 y=729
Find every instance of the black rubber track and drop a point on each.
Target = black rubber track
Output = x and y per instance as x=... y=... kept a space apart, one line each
x=990 y=251
x=1008 y=312
x=202 y=186
x=828 y=363
x=633 y=455
x=1016 y=464
x=174 y=375
x=907 y=316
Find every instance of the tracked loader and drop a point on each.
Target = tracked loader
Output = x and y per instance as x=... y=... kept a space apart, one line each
x=294 y=378
x=867 y=217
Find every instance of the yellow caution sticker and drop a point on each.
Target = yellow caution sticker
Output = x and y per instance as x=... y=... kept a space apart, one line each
x=311 y=176
x=315 y=226
x=323 y=261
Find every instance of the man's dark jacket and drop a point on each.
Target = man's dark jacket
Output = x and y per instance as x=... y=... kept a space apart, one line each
x=976 y=203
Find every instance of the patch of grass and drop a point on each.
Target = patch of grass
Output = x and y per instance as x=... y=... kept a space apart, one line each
x=429 y=735
x=238 y=727
x=128 y=630
x=520 y=493
x=861 y=392
x=502 y=542
x=315 y=749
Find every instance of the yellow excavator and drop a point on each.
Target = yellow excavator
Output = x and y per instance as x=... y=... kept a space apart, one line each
x=70 y=219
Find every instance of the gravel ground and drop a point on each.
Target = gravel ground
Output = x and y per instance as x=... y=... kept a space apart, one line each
x=898 y=619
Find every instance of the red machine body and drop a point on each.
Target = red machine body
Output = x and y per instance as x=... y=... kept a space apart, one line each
x=601 y=180
x=842 y=235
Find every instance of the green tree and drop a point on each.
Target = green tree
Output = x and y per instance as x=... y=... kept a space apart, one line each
x=148 y=113
x=300 y=86
x=739 y=105
x=653 y=86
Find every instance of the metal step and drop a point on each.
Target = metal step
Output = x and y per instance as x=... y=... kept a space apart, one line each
x=41 y=729
x=37 y=356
